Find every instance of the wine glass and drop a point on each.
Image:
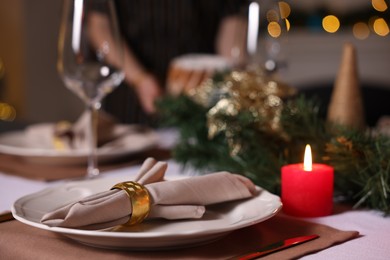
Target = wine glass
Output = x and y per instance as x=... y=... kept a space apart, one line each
x=267 y=31
x=90 y=58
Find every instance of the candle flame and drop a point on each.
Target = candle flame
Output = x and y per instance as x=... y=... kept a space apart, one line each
x=307 y=161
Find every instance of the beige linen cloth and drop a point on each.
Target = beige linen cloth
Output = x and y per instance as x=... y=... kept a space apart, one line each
x=176 y=199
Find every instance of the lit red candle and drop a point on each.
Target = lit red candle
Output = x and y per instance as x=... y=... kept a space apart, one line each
x=307 y=188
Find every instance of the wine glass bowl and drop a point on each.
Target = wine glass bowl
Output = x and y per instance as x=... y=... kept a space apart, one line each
x=267 y=31
x=90 y=58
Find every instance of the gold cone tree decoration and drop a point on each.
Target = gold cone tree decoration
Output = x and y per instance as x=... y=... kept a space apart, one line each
x=346 y=104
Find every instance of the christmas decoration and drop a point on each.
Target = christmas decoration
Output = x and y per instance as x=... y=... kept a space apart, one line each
x=250 y=91
x=223 y=128
x=346 y=105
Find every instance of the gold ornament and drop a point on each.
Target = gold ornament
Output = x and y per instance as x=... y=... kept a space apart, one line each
x=251 y=91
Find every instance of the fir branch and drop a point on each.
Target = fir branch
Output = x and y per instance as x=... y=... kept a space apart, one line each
x=361 y=160
x=302 y=123
x=362 y=165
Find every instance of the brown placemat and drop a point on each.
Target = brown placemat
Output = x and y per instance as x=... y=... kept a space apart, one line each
x=17 y=165
x=19 y=241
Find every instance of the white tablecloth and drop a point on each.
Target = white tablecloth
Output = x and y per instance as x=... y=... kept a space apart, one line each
x=374 y=228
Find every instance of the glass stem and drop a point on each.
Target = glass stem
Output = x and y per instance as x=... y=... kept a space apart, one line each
x=92 y=170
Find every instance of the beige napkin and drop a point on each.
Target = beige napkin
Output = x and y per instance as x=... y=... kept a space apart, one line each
x=176 y=199
x=67 y=136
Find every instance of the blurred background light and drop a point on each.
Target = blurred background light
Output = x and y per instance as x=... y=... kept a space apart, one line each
x=380 y=27
x=379 y=5
x=274 y=29
x=287 y=25
x=272 y=16
x=361 y=30
x=330 y=23
x=7 y=112
x=285 y=9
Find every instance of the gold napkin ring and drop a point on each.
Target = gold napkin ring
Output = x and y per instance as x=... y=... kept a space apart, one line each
x=139 y=198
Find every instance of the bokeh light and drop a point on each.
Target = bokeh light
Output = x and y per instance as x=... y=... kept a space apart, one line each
x=274 y=29
x=7 y=112
x=285 y=9
x=288 y=25
x=331 y=23
x=379 y=5
x=272 y=16
x=380 y=27
x=361 y=30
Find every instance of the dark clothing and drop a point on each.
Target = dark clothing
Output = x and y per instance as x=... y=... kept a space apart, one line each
x=159 y=30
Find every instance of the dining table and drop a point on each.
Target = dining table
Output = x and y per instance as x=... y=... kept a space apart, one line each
x=347 y=233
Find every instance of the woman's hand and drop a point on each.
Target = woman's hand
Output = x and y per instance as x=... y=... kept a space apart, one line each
x=148 y=90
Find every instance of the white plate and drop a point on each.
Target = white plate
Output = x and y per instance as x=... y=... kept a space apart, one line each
x=15 y=143
x=218 y=221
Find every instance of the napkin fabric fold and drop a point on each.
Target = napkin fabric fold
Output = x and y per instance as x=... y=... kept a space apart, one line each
x=176 y=199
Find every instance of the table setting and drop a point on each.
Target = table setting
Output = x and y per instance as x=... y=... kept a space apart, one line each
x=241 y=225
x=241 y=167
x=44 y=146
x=238 y=227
